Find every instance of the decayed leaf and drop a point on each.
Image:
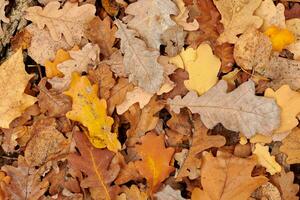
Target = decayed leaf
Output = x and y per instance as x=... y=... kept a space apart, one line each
x=267 y=191
x=102 y=32
x=140 y=63
x=182 y=17
x=79 y=62
x=156 y=158
x=271 y=14
x=173 y=37
x=151 y=19
x=227 y=177
x=252 y=50
x=285 y=184
x=47 y=143
x=51 y=67
x=291 y=147
x=41 y=39
x=289 y=103
x=13 y=100
x=237 y=16
x=88 y=109
x=3 y=18
x=200 y=142
x=97 y=165
x=239 y=110
x=202 y=65
x=69 y=21
x=168 y=193
x=265 y=159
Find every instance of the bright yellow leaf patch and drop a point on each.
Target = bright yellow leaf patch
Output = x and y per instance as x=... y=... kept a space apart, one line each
x=202 y=65
x=280 y=38
x=88 y=109
x=51 y=67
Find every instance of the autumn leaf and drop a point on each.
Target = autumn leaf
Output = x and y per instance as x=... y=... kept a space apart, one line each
x=69 y=21
x=3 y=18
x=280 y=38
x=168 y=193
x=132 y=193
x=88 y=109
x=218 y=106
x=155 y=162
x=293 y=26
x=227 y=177
x=292 y=12
x=13 y=99
x=291 y=147
x=51 y=67
x=21 y=40
x=96 y=164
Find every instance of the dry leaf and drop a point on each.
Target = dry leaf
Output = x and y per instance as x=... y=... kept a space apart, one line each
x=180 y=123
x=13 y=136
x=51 y=67
x=239 y=110
x=116 y=64
x=127 y=173
x=266 y=160
x=68 y=21
x=79 y=62
x=151 y=19
x=110 y=7
x=237 y=16
x=21 y=40
x=200 y=142
x=227 y=177
x=133 y=193
x=293 y=25
x=291 y=147
x=225 y=53
x=97 y=165
x=168 y=193
x=156 y=158
x=88 y=109
x=140 y=63
x=279 y=37
x=13 y=99
x=294 y=12
x=102 y=32
x=267 y=191
x=173 y=38
x=3 y=18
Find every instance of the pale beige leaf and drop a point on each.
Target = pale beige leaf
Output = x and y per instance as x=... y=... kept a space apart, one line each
x=173 y=38
x=168 y=193
x=237 y=16
x=239 y=110
x=293 y=25
x=151 y=19
x=68 y=21
x=140 y=63
x=3 y=18
x=291 y=147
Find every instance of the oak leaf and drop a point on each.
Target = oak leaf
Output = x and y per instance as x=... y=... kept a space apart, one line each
x=3 y=18
x=293 y=12
x=13 y=100
x=168 y=193
x=237 y=16
x=265 y=159
x=156 y=158
x=116 y=64
x=51 y=66
x=291 y=147
x=88 y=109
x=97 y=165
x=239 y=110
x=151 y=19
x=289 y=103
x=202 y=65
x=68 y=21
x=227 y=177
x=225 y=53
x=200 y=142
x=132 y=193
x=21 y=40
x=293 y=26
x=102 y=32
x=173 y=38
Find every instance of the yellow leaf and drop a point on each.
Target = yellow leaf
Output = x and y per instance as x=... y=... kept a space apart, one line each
x=259 y=138
x=266 y=160
x=280 y=38
x=13 y=81
x=88 y=109
x=202 y=65
x=289 y=102
x=51 y=67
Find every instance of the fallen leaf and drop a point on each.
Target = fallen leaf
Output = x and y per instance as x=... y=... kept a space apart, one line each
x=88 y=109
x=133 y=193
x=140 y=63
x=168 y=193
x=237 y=16
x=200 y=141
x=12 y=137
x=3 y=18
x=21 y=40
x=291 y=147
x=217 y=106
x=227 y=178
x=127 y=173
x=156 y=158
x=151 y=19
x=267 y=190
x=293 y=26
x=280 y=38
x=79 y=62
x=97 y=165
x=68 y=21
x=293 y=12
x=289 y=103
x=110 y=7
x=202 y=65
x=116 y=64
x=13 y=99
x=51 y=67
x=181 y=123
x=102 y=32
x=266 y=160
x=173 y=38
x=225 y=53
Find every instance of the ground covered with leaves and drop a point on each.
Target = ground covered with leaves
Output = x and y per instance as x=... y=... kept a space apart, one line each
x=149 y=99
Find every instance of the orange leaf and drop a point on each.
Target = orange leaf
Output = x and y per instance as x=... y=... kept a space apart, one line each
x=155 y=160
x=51 y=67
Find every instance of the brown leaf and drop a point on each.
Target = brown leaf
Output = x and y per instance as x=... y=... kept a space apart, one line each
x=96 y=164
x=173 y=38
x=180 y=123
x=200 y=142
x=12 y=136
x=294 y=12
x=52 y=102
x=225 y=53
x=21 y=40
x=116 y=64
x=291 y=147
x=127 y=173
x=47 y=143
x=102 y=32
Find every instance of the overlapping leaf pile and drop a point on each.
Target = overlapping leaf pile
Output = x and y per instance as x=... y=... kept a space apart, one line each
x=151 y=99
